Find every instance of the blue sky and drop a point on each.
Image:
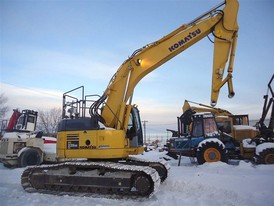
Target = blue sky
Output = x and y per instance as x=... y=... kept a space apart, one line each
x=50 y=47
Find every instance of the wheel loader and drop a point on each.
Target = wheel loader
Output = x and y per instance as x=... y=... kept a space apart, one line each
x=21 y=145
x=258 y=147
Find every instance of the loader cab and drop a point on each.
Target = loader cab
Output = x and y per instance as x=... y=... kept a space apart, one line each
x=240 y=119
x=204 y=125
x=226 y=123
x=134 y=130
x=27 y=121
x=199 y=126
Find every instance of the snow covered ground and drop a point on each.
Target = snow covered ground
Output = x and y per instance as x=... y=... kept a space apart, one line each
x=236 y=183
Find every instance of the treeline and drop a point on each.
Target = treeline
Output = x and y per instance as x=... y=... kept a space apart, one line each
x=47 y=121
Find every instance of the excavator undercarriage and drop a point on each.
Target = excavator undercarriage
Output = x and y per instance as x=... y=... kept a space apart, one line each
x=132 y=177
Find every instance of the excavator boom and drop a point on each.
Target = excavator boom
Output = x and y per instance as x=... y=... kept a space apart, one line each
x=223 y=25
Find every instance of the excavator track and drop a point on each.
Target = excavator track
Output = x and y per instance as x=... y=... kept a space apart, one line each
x=162 y=167
x=88 y=178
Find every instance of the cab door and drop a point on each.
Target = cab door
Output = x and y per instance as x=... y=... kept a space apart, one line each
x=134 y=130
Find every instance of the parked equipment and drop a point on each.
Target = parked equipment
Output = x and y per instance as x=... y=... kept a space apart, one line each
x=236 y=126
x=201 y=140
x=267 y=131
x=113 y=130
x=20 y=145
x=204 y=147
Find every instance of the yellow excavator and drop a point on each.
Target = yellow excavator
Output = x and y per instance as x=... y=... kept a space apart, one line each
x=99 y=145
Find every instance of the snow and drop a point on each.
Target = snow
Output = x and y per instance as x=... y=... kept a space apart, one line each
x=264 y=146
x=22 y=135
x=237 y=183
x=50 y=148
x=244 y=127
x=211 y=140
x=25 y=135
x=247 y=143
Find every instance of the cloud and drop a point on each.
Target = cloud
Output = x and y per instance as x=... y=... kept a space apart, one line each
x=45 y=63
x=31 y=98
x=159 y=116
x=158 y=113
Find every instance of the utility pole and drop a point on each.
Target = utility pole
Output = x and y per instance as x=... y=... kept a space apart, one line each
x=144 y=124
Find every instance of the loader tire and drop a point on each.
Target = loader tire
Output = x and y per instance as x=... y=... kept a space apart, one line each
x=266 y=156
x=211 y=152
x=29 y=157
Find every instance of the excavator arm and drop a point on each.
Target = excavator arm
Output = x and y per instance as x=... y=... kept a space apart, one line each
x=223 y=25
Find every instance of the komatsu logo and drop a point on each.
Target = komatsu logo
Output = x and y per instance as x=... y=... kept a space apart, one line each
x=184 y=40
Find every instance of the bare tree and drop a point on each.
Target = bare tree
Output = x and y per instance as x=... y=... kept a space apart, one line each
x=3 y=107
x=48 y=120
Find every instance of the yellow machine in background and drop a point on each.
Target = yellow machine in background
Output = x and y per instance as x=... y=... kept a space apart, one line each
x=233 y=139
x=113 y=131
x=235 y=125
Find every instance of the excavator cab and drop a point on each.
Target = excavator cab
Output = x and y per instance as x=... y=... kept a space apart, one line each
x=77 y=116
x=82 y=132
x=134 y=130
